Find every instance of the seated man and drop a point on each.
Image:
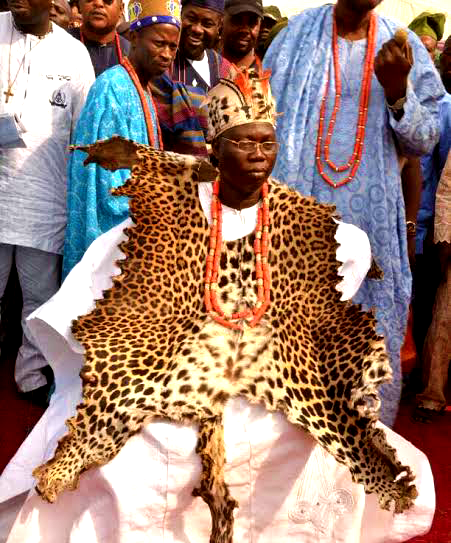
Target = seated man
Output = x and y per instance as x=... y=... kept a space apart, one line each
x=138 y=101
x=229 y=304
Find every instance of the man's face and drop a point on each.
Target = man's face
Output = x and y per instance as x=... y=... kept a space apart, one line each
x=240 y=33
x=200 y=29
x=60 y=13
x=430 y=44
x=155 y=47
x=101 y=16
x=265 y=29
x=28 y=11
x=245 y=172
x=445 y=66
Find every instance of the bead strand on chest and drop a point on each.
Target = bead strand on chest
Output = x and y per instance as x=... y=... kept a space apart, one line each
x=263 y=276
x=353 y=163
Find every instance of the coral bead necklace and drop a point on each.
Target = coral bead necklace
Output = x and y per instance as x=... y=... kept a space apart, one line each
x=127 y=65
x=263 y=276
x=353 y=163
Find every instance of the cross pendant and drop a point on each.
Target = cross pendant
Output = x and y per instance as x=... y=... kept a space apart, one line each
x=8 y=93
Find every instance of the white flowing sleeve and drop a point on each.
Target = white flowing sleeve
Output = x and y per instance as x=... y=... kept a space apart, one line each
x=354 y=253
x=51 y=324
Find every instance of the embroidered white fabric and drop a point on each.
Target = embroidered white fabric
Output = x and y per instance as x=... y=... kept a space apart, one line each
x=289 y=489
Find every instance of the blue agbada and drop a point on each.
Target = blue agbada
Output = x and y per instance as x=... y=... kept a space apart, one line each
x=113 y=107
x=300 y=58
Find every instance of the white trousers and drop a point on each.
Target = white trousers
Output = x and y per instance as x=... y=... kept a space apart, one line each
x=39 y=277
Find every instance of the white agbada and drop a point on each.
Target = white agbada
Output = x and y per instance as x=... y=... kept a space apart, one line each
x=51 y=83
x=289 y=489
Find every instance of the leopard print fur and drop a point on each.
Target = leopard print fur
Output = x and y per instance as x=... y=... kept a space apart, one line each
x=151 y=349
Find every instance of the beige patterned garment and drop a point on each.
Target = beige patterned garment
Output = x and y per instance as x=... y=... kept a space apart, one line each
x=443 y=205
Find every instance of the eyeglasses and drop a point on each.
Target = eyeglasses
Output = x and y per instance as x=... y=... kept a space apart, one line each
x=247 y=146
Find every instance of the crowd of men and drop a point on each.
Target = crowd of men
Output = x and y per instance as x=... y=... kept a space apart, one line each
x=179 y=123
x=159 y=101
x=175 y=74
x=36 y=151
x=363 y=123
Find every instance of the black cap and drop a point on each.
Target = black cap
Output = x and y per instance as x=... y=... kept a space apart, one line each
x=233 y=7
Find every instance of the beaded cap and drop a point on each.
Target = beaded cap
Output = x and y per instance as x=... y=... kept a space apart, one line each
x=243 y=98
x=149 y=12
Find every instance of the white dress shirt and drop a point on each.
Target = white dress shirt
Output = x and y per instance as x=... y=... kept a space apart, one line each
x=52 y=78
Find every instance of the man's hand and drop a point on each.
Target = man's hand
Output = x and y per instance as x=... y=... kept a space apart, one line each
x=392 y=67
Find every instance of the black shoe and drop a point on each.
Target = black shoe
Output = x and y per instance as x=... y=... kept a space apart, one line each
x=38 y=396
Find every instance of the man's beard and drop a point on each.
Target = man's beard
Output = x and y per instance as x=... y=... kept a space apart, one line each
x=242 y=52
x=194 y=53
x=190 y=52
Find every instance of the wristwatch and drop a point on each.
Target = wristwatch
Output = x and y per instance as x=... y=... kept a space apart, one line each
x=398 y=105
x=411 y=228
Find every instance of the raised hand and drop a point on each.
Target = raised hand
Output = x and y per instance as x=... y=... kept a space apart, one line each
x=392 y=66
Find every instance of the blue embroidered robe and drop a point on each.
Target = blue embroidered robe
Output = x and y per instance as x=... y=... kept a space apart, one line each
x=300 y=58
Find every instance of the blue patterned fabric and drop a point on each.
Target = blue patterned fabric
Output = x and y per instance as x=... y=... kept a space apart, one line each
x=432 y=165
x=300 y=57
x=112 y=107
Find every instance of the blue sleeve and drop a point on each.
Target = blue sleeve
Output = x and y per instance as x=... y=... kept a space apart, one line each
x=418 y=130
x=91 y=208
x=273 y=52
x=445 y=131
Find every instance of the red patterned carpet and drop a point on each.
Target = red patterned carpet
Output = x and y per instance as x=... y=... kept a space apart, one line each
x=17 y=416
x=435 y=441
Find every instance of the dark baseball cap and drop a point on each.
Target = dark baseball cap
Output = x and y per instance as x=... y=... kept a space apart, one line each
x=233 y=7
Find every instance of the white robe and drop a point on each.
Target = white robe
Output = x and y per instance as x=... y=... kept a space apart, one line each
x=288 y=487
x=52 y=77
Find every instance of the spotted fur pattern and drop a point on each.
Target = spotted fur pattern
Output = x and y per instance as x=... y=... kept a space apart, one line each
x=153 y=351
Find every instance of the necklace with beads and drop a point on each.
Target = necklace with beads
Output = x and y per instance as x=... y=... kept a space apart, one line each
x=126 y=64
x=263 y=276
x=353 y=163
